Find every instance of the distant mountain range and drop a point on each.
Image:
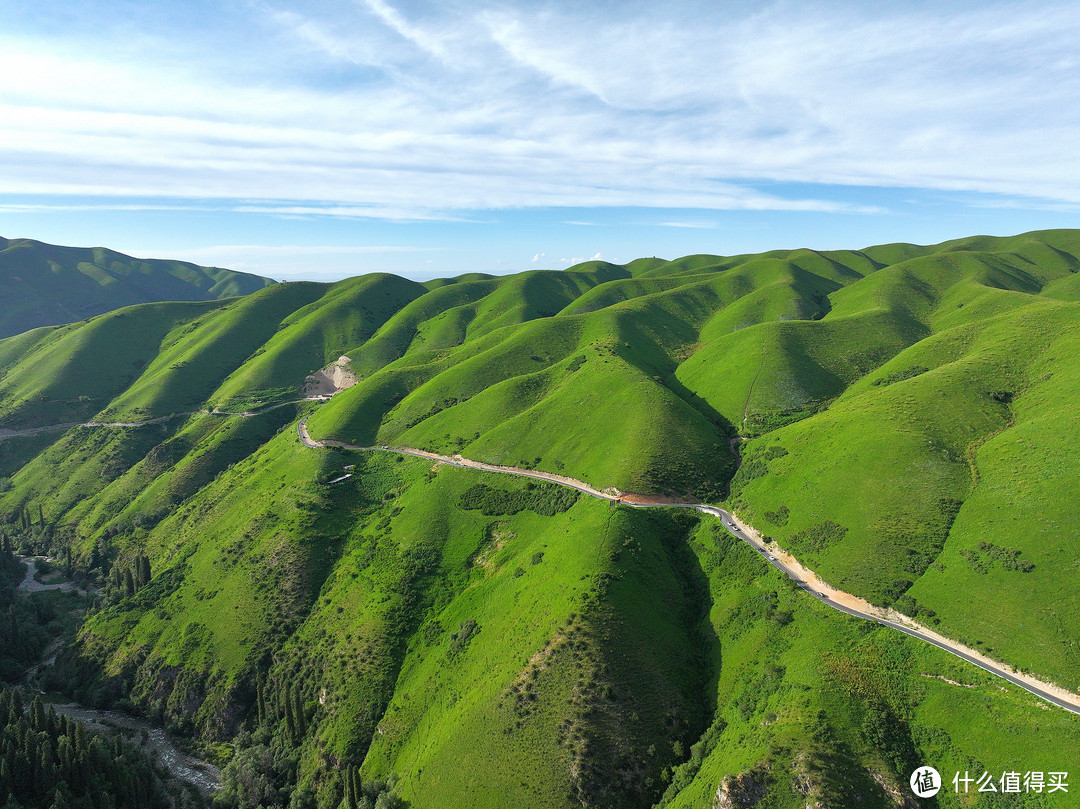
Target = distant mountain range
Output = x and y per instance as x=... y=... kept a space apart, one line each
x=47 y=285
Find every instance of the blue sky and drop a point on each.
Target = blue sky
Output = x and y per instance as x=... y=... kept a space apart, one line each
x=336 y=137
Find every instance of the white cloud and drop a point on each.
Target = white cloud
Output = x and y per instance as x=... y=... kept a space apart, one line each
x=418 y=35
x=392 y=213
x=366 y=111
x=579 y=259
x=538 y=257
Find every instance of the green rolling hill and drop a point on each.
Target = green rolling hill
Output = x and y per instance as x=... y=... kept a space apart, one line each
x=338 y=626
x=49 y=285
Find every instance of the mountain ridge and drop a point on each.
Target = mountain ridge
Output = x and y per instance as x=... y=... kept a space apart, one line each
x=335 y=617
x=49 y=285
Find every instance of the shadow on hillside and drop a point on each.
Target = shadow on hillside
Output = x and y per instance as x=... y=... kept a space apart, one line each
x=713 y=416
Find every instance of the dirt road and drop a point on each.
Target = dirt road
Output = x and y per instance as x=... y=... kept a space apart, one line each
x=787 y=564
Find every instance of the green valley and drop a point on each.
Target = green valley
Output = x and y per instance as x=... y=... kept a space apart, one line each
x=337 y=627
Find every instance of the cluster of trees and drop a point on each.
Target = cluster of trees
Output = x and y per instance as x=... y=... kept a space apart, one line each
x=547 y=499
x=28 y=529
x=361 y=794
x=272 y=704
x=26 y=517
x=53 y=762
x=22 y=621
x=755 y=465
x=127 y=577
x=262 y=775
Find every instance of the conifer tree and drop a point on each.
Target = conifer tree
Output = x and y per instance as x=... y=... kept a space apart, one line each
x=350 y=787
x=301 y=720
x=290 y=715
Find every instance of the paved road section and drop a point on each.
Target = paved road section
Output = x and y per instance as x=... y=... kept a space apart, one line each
x=787 y=565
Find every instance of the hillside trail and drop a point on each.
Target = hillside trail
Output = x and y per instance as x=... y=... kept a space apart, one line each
x=802 y=576
x=243 y=414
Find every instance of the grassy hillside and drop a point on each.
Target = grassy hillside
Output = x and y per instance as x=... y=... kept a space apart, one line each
x=948 y=470
x=339 y=626
x=46 y=285
x=817 y=708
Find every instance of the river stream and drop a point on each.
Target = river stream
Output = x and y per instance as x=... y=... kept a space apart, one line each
x=202 y=775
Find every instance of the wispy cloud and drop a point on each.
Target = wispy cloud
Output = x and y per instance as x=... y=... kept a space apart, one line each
x=271 y=250
x=391 y=213
x=692 y=225
x=36 y=208
x=319 y=262
x=421 y=112
x=418 y=35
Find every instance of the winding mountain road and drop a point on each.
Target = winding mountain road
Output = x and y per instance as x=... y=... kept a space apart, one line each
x=785 y=563
x=67 y=425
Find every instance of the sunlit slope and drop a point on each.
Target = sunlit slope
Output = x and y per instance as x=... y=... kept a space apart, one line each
x=514 y=300
x=12 y=349
x=593 y=395
x=842 y=266
x=452 y=314
x=530 y=295
x=75 y=371
x=45 y=284
x=814 y=707
x=435 y=283
x=763 y=376
x=567 y=653
x=237 y=568
x=344 y=316
x=528 y=640
x=910 y=416
x=973 y=419
x=361 y=591
x=71 y=474
x=1066 y=289
x=784 y=370
x=708 y=345
x=111 y=480
x=196 y=357
x=1023 y=501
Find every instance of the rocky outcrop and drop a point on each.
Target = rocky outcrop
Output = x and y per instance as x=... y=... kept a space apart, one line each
x=741 y=791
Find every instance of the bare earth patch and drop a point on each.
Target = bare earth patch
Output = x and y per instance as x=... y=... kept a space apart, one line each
x=334 y=378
